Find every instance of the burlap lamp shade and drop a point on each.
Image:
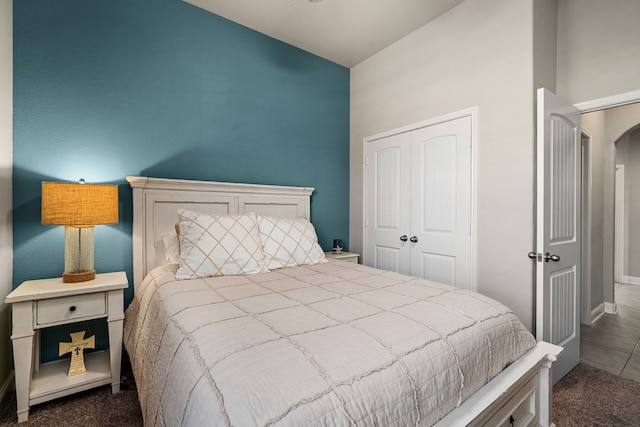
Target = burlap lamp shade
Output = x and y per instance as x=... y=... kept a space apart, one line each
x=79 y=207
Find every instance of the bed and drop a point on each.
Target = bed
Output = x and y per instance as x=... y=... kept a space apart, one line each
x=314 y=341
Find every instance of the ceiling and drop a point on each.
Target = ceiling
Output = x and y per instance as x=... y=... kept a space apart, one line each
x=343 y=31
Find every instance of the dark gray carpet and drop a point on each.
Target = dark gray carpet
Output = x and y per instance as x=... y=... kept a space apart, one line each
x=97 y=407
x=588 y=396
x=585 y=397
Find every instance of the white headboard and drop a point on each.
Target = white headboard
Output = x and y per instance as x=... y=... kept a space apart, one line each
x=156 y=200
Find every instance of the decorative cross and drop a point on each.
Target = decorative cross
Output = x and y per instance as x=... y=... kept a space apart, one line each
x=76 y=348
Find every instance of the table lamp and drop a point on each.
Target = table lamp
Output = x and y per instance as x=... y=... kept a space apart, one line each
x=79 y=207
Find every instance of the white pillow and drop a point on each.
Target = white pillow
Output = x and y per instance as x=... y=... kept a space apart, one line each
x=287 y=242
x=219 y=245
x=171 y=247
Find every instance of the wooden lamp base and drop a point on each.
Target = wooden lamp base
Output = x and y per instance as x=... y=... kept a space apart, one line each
x=76 y=277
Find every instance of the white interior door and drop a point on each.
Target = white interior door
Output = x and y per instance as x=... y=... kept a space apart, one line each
x=558 y=228
x=441 y=203
x=387 y=210
x=418 y=202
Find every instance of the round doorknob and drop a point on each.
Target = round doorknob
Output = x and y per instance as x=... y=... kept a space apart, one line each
x=404 y=238
x=414 y=239
x=554 y=258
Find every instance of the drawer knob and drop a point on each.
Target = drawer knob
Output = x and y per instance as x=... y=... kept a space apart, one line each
x=72 y=308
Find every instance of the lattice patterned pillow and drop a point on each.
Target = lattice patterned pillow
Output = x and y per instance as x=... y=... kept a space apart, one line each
x=219 y=245
x=287 y=242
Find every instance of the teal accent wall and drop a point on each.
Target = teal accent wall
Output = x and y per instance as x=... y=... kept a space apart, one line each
x=106 y=89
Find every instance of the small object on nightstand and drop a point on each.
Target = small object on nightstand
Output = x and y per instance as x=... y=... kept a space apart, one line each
x=76 y=348
x=343 y=256
x=337 y=246
x=39 y=304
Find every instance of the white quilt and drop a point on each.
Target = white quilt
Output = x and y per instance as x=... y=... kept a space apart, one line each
x=332 y=344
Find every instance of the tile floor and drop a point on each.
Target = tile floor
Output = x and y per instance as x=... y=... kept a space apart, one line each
x=612 y=343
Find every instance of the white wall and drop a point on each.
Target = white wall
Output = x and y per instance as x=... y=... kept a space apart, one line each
x=598 y=49
x=606 y=127
x=620 y=120
x=6 y=164
x=594 y=124
x=598 y=57
x=545 y=26
x=477 y=54
x=623 y=159
x=633 y=192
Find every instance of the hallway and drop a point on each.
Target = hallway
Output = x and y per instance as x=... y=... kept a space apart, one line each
x=612 y=342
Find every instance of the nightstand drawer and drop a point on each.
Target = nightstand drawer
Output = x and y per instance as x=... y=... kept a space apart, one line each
x=66 y=309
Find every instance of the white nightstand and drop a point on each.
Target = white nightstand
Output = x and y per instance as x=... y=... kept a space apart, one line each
x=38 y=304
x=344 y=256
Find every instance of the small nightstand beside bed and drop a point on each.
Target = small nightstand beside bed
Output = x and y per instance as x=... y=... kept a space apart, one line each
x=44 y=303
x=315 y=340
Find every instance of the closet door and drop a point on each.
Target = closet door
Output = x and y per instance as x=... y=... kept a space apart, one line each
x=387 y=207
x=440 y=241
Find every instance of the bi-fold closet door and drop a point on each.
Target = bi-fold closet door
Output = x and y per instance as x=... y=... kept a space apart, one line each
x=418 y=202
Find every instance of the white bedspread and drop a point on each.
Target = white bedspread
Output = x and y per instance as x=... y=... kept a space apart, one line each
x=330 y=344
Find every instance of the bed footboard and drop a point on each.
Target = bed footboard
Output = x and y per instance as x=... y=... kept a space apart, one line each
x=520 y=395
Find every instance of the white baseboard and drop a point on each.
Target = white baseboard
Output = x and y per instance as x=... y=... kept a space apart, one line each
x=7 y=386
x=597 y=312
x=611 y=308
x=631 y=280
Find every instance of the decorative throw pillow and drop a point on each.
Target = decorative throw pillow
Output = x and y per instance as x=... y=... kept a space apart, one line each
x=219 y=245
x=287 y=242
x=171 y=247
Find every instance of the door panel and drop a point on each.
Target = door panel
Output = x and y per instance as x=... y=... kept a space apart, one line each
x=563 y=183
x=441 y=202
x=387 y=258
x=563 y=293
x=439 y=268
x=387 y=184
x=387 y=219
x=438 y=170
x=558 y=228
